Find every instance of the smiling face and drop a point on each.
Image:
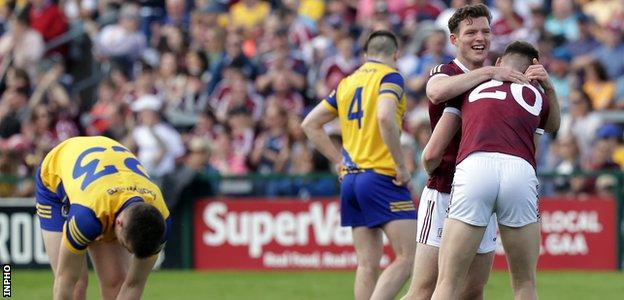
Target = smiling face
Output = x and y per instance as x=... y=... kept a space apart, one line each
x=472 y=41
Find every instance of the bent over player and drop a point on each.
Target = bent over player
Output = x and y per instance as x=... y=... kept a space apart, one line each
x=495 y=172
x=93 y=194
x=370 y=104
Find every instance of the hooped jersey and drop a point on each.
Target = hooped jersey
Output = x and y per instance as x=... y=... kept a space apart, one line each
x=355 y=101
x=97 y=177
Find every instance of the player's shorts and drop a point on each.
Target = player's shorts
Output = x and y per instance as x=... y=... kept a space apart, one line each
x=489 y=182
x=432 y=211
x=371 y=199
x=52 y=209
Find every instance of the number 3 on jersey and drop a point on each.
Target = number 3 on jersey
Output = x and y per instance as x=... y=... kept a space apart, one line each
x=88 y=169
x=356 y=103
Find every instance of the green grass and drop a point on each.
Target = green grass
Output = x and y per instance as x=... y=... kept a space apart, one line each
x=179 y=285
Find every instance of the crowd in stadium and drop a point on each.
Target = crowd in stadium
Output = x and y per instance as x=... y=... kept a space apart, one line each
x=221 y=87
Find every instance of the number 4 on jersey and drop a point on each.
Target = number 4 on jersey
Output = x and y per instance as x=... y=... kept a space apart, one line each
x=356 y=103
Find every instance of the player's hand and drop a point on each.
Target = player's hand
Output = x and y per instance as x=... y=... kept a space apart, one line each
x=508 y=74
x=537 y=72
x=340 y=170
x=403 y=176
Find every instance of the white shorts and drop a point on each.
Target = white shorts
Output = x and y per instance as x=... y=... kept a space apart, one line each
x=431 y=214
x=490 y=182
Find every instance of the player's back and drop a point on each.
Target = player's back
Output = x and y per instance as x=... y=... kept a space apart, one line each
x=502 y=117
x=98 y=174
x=356 y=100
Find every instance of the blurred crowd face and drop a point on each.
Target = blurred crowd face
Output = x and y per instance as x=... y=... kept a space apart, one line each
x=579 y=104
x=473 y=40
x=436 y=42
x=568 y=149
x=168 y=65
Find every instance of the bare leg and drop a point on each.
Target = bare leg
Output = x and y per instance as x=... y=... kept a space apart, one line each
x=425 y=273
x=522 y=248
x=402 y=236
x=479 y=273
x=457 y=251
x=368 y=247
x=111 y=261
x=52 y=242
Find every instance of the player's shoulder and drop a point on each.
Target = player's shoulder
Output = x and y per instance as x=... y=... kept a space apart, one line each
x=454 y=67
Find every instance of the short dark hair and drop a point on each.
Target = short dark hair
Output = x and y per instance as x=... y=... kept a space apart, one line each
x=381 y=42
x=523 y=48
x=145 y=229
x=468 y=12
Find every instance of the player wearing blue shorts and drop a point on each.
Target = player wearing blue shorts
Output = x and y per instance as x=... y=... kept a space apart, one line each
x=370 y=104
x=92 y=193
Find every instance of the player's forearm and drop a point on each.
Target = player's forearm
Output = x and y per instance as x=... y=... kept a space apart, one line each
x=430 y=163
x=444 y=88
x=554 y=115
x=323 y=143
x=391 y=135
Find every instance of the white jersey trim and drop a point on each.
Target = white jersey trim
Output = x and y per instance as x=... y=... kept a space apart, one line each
x=453 y=110
x=461 y=66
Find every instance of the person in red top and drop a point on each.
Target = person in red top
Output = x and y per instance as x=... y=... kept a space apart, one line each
x=495 y=172
x=470 y=33
x=47 y=18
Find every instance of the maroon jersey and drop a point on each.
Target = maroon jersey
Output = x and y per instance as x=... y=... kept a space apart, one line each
x=501 y=117
x=442 y=177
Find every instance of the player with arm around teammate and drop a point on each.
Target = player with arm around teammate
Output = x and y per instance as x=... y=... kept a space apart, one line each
x=93 y=195
x=470 y=33
x=496 y=172
x=370 y=104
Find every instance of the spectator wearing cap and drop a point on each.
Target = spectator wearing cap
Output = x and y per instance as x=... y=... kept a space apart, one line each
x=598 y=87
x=157 y=143
x=582 y=121
x=21 y=45
x=560 y=76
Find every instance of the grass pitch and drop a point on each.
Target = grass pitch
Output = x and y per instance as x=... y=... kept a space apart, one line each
x=181 y=285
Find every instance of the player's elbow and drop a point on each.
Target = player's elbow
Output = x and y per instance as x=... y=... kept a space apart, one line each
x=553 y=126
x=436 y=95
x=307 y=126
x=431 y=157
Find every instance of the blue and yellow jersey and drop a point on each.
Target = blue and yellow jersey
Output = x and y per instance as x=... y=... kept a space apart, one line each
x=355 y=100
x=98 y=178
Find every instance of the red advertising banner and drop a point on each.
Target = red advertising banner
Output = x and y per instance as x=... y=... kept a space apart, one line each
x=576 y=234
x=261 y=234
x=255 y=234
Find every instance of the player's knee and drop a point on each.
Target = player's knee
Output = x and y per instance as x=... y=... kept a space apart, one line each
x=112 y=283
x=80 y=288
x=472 y=292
